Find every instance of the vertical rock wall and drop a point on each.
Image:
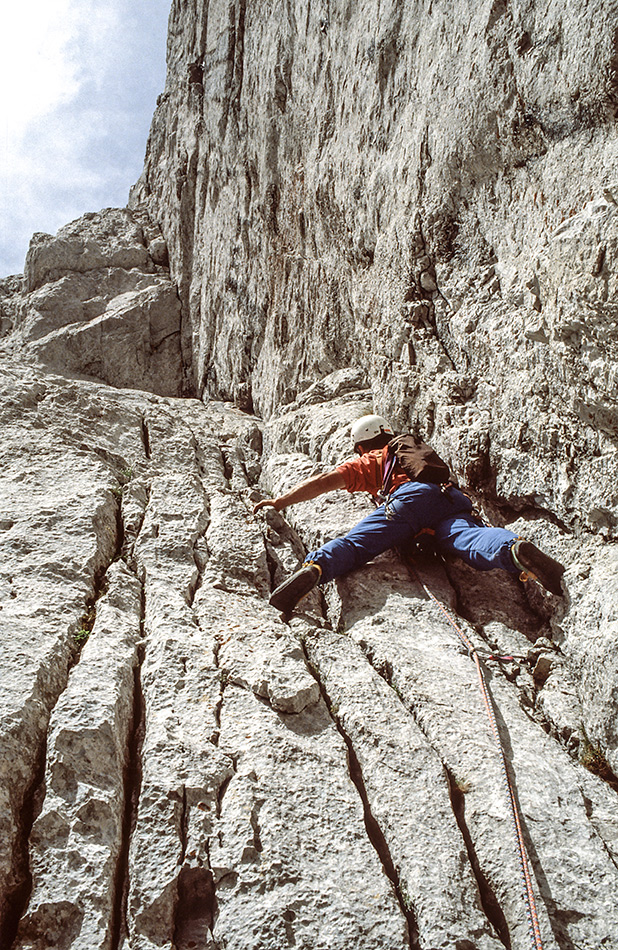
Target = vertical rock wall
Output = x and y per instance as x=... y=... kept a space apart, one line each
x=423 y=190
x=406 y=206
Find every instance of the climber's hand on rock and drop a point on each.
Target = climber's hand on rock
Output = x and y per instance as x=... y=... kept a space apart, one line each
x=266 y=503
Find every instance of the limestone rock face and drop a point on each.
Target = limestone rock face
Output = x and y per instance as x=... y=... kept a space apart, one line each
x=423 y=196
x=182 y=768
x=401 y=207
x=96 y=300
x=185 y=740
x=426 y=192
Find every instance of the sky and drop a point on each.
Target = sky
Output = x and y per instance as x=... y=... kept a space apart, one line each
x=79 y=81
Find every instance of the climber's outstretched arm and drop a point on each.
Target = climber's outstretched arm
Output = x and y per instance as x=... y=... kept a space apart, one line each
x=311 y=488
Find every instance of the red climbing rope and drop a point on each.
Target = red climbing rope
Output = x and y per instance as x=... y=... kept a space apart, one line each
x=528 y=894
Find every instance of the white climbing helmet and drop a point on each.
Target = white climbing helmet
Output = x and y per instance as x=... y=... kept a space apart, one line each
x=368 y=427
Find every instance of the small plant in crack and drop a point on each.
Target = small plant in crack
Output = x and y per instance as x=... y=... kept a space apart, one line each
x=405 y=897
x=461 y=784
x=124 y=477
x=86 y=624
x=594 y=760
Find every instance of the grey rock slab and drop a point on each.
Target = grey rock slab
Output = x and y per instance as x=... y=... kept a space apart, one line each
x=134 y=343
x=182 y=768
x=77 y=298
x=79 y=456
x=408 y=640
x=590 y=629
x=112 y=238
x=408 y=794
x=256 y=650
x=236 y=555
x=59 y=532
x=76 y=841
x=289 y=814
x=176 y=517
x=95 y=303
x=182 y=771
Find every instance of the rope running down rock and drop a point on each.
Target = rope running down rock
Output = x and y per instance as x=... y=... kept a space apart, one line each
x=528 y=893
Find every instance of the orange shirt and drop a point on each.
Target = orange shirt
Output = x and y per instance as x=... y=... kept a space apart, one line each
x=365 y=473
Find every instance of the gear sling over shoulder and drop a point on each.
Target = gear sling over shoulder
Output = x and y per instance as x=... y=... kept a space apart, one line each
x=417 y=459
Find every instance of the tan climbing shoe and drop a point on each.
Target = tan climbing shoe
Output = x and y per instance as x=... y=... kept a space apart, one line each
x=528 y=558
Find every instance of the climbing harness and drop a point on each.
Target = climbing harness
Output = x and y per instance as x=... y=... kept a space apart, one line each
x=528 y=893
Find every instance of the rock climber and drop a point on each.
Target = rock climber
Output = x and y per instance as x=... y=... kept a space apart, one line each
x=410 y=508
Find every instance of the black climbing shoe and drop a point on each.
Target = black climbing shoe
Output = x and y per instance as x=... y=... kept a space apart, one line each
x=527 y=557
x=287 y=595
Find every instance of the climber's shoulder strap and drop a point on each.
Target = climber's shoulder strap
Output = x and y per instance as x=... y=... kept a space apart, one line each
x=389 y=463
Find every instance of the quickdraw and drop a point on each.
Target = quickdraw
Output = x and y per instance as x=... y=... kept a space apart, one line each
x=524 y=864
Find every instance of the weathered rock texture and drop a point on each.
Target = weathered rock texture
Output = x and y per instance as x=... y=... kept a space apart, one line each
x=199 y=773
x=403 y=206
x=97 y=300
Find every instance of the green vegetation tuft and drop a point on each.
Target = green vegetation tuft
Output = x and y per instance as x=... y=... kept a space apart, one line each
x=594 y=760
x=124 y=477
x=462 y=784
x=87 y=623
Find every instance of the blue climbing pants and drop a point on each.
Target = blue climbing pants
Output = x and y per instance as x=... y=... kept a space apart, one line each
x=411 y=508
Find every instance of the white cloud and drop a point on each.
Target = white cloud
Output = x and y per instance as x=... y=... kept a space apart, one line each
x=35 y=67
x=80 y=78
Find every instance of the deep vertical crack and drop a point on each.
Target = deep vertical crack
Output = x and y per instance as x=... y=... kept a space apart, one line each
x=228 y=468
x=222 y=684
x=18 y=896
x=200 y=555
x=374 y=831
x=145 y=434
x=221 y=794
x=196 y=907
x=589 y=807
x=255 y=825
x=555 y=916
x=239 y=46
x=132 y=787
x=489 y=901
x=119 y=532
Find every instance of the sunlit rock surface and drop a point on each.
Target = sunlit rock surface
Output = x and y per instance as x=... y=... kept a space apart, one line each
x=403 y=207
x=97 y=300
x=181 y=767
